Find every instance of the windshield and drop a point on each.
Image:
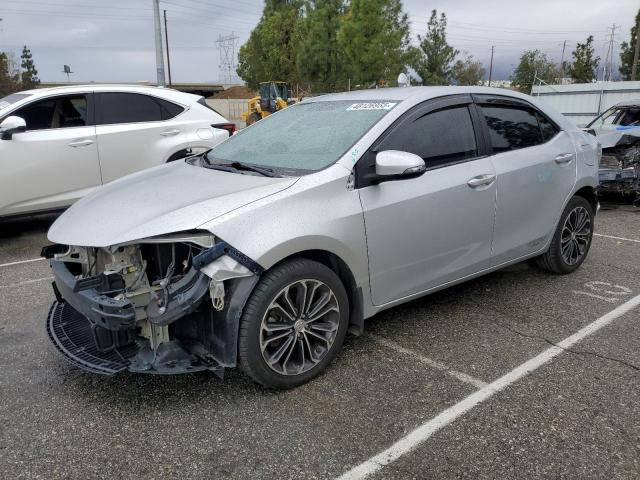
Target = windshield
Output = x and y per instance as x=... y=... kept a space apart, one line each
x=303 y=138
x=617 y=119
x=13 y=98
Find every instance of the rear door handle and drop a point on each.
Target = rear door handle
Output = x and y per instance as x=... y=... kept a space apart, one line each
x=81 y=143
x=170 y=133
x=564 y=158
x=482 y=180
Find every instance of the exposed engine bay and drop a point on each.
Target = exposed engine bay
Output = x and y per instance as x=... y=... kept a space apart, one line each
x=620 y=167
x=161 y=305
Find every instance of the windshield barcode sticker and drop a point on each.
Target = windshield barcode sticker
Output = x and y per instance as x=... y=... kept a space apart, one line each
x=371 y=106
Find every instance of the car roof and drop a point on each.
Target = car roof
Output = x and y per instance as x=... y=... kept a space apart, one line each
x=416 y=94
x=628 y=103
x=98 y=87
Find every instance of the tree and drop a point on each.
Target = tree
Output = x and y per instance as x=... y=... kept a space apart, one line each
x=434 y=55
x=374 y=40
x=8 y=80
x=533 y=65
x=319 y=61
x=270 y=52
x=467 y=72
x=627 y=52
x=29 y=77
x=584 y=66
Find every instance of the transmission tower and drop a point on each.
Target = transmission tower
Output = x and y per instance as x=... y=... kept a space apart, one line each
x=227 y=51
x=608 y=61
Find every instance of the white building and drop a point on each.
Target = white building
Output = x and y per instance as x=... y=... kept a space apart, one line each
x=581 y=102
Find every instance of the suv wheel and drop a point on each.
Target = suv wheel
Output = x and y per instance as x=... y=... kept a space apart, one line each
x=571 y=240
x=293 y=324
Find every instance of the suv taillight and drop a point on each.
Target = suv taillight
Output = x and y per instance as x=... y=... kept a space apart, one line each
x=229 y=127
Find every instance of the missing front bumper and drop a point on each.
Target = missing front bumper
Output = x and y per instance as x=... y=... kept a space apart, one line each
x=74 y=336
x=108 y=334
x=97 y=350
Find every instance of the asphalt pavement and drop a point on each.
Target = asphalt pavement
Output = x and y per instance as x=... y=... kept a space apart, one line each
x=577 y=415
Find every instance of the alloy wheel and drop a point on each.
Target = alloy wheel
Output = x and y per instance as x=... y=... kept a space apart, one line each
x=299 y=327
x=576 y=235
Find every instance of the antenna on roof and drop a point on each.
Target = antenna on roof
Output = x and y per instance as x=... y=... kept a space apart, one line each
x=403 y=80
x=67 y=69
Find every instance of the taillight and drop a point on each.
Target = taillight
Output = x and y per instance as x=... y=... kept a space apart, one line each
x=229 y=127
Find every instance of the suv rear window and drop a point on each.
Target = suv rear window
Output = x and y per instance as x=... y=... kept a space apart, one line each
x=121 y=107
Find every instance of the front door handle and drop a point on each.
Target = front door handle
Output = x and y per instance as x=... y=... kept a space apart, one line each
x=564 y=158
x=482 y=180
x=170 y=133
x=81 y=143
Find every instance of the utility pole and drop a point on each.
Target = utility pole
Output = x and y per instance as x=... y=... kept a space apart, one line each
x=159 y=55
x=634 y=66
x=564 y=45
x=166 y=39
x=491 y=64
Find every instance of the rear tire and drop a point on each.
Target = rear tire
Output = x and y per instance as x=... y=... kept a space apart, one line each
x=571 y=240
x=179 y=155
x=293 y=324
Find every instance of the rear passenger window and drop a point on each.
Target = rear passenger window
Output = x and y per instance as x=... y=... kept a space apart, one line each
x=441 y=137
x=133 y=108
x=511 y=128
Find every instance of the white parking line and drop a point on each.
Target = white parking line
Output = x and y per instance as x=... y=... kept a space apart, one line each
x=463 y=377
x=616 y=238
x=26 y=282
x=411 y=441
x=22 y=261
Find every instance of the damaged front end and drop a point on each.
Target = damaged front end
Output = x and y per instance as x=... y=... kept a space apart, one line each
x=619 y=171
x=163 y=305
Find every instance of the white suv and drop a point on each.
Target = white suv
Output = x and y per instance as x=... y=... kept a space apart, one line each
x=58 y=144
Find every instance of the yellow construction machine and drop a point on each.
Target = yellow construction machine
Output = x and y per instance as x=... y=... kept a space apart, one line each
x=273 y=96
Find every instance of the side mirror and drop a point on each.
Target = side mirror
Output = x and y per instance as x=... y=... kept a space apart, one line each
x=396 y=165
x=11 y=125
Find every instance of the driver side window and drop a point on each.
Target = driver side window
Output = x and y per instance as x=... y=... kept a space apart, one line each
x=55 y=112
x=439 y=138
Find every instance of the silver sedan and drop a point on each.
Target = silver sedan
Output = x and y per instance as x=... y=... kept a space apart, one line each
x=266 y=250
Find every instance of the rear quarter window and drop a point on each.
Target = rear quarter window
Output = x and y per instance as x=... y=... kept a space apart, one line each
x=122 y=107
x=512 y=128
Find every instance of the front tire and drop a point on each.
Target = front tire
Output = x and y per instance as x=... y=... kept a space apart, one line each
x=293 y=324
x=571 y=240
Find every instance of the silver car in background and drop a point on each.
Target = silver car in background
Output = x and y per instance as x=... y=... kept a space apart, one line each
x=266 y=250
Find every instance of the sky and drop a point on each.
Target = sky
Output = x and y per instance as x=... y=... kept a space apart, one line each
x=113 y=40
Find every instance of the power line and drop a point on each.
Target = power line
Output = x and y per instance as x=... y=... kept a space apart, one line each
x=63 y=5
x=75 y=15
x=501 y=28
